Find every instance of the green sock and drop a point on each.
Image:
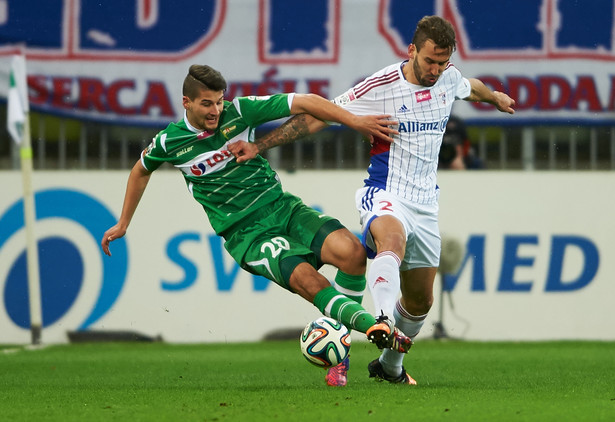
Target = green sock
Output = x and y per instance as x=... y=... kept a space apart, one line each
x=351 y=286
x=339 y=307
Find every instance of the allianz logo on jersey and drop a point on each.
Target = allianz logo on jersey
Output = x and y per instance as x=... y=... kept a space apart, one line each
x=409 y=126
x=207 y=163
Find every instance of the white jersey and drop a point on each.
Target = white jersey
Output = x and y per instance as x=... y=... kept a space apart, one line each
x=408 y=166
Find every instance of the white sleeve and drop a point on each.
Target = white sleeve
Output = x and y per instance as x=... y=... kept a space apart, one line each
x=464 y=89
x=349 y=102
x=291 y=98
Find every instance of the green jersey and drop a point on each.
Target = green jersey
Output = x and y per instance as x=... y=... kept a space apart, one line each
x=229 y=192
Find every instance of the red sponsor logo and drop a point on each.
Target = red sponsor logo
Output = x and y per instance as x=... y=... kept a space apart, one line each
x=423 y=96
x=218 y=157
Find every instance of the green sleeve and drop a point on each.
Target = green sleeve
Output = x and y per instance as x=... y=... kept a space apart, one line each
x=258 y=110
x=154 y=155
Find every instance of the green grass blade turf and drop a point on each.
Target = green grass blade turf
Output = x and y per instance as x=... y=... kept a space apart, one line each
x=461 y=381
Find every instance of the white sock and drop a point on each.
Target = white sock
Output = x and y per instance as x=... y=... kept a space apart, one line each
x=383 y=281
x=410 y=325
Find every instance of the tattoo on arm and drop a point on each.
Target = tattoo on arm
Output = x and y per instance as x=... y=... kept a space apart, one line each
x=291 y=130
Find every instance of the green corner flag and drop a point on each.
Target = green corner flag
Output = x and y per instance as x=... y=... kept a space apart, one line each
x=17 y=99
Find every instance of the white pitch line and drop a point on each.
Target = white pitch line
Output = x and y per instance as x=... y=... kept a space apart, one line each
x=22 y=348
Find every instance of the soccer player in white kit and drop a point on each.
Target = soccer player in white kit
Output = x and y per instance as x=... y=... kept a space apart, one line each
x=399 y=203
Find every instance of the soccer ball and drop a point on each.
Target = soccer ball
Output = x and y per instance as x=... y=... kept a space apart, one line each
x=325 y=342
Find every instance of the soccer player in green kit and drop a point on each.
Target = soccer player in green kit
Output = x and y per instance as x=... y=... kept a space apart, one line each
x=268 y=231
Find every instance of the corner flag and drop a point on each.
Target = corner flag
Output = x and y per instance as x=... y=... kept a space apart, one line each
x=18 y=125
x=18 y=107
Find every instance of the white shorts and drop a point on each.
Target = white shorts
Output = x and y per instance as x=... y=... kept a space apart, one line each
x=420 y=223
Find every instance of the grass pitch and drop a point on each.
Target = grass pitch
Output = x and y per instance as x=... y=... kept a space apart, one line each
x=460 y=381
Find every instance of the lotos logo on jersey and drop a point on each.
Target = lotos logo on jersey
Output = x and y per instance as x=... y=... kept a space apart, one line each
x=198 y=169
x=69 y=225
x=209 y=162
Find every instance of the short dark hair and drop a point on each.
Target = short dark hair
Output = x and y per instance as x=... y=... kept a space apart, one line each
x=202 y=77
x=434 y=28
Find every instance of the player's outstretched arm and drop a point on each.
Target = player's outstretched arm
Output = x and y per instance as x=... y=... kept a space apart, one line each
x=137 y=182
x=294 y=128
x=317 y=109
x=371 y=126
x=480 y=92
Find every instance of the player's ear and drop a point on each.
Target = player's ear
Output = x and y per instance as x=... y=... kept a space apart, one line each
x=186 y=102
x=411 y=51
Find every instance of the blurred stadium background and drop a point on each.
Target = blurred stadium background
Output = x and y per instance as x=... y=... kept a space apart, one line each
x=69 y=144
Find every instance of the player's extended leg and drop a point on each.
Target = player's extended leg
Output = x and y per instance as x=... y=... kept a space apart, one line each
x=343 y=250
x=410 y=313
x=314 y=287
x=383 y=275
x=330 y=302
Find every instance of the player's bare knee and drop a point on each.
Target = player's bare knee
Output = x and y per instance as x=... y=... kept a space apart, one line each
x=343 y=250
x=394 y=242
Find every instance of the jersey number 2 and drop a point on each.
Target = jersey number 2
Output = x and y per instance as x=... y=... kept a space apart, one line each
x=385 y=206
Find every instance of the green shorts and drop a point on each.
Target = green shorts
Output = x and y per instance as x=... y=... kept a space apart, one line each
x=280 y=236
